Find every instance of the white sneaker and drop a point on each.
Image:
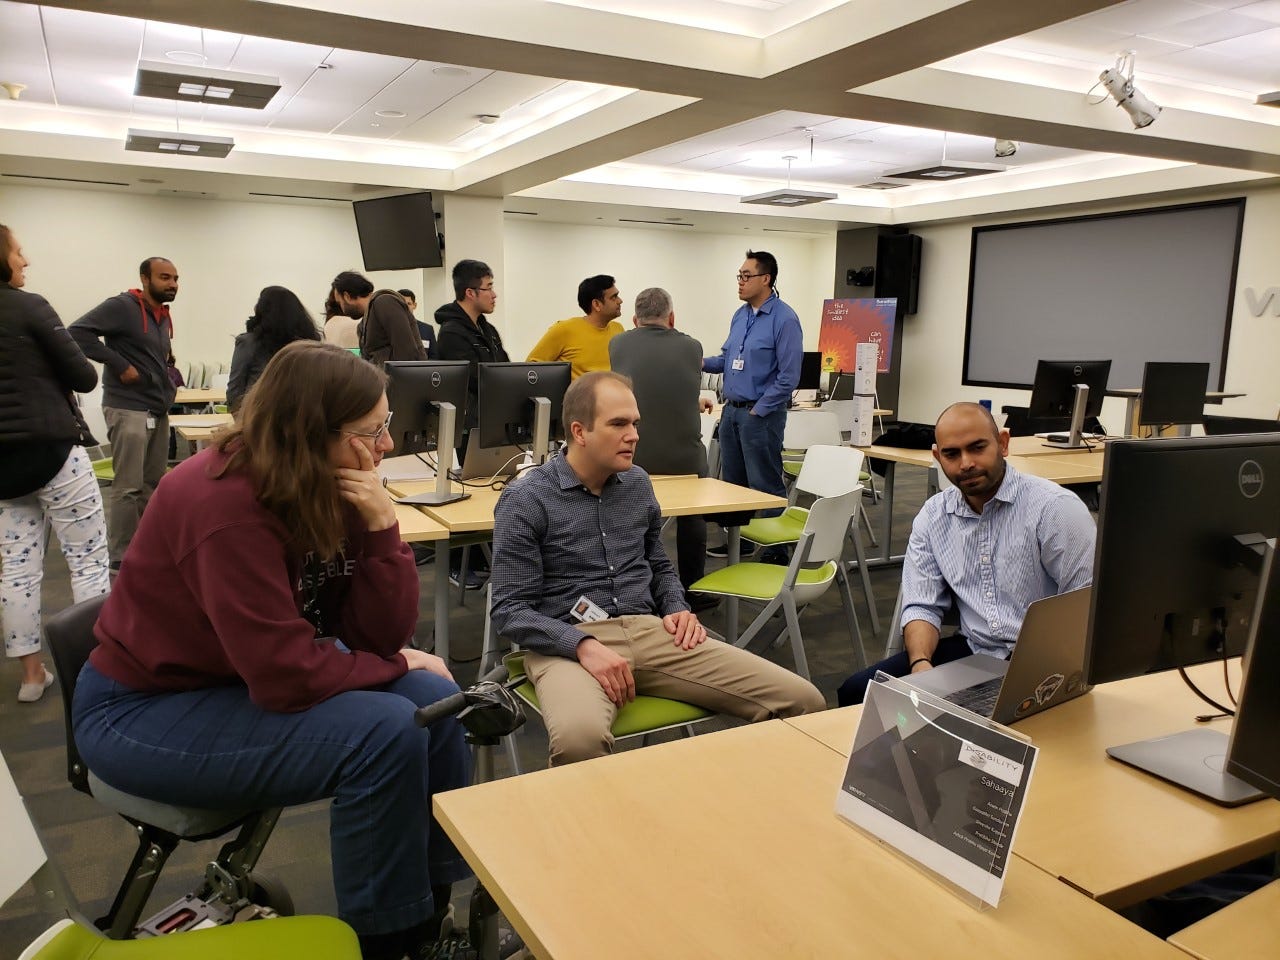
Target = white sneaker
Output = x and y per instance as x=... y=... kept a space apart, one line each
x=31 y=692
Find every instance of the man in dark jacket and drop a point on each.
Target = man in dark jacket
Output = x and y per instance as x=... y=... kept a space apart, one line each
x=387 y=329
x=130 y=334
x=464 y=332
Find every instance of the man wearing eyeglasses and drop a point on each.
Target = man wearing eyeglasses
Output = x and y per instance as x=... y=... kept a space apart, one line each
x=465 y=334
x=760 y=362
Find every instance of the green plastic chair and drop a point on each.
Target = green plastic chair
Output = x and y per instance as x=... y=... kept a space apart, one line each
x=815 y=565
x=827 y=471
x=104 y=469
x=642 y=717
x=74 y=938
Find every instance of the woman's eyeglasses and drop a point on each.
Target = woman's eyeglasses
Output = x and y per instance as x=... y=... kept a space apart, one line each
x=375 y=436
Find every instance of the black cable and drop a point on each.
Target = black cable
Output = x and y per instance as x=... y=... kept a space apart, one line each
x=1223 y=711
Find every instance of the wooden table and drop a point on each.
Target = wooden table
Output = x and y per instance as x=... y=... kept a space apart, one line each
x=727 y=845
x=1248 y=929
x=200 y=420
x=1037 y=447
x=1068 y=468
x=196 y=396
x=892 y=457
x=677 y=496
x=416 y=526
x=1115 y=833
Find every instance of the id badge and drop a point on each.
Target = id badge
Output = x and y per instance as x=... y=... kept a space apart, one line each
x=739 y=364
x=584 y=611
x=151 y=423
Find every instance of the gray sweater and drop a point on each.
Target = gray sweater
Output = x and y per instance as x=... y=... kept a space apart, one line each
x=122 y=331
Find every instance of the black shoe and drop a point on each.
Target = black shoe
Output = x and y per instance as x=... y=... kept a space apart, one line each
x=722 y=552
x=775 y=555
x=422 y=554
x=701 y=602
x=475 y=579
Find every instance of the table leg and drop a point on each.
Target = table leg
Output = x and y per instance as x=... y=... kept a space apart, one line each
x=733 y=544
x=442 y=600
x=886 y=558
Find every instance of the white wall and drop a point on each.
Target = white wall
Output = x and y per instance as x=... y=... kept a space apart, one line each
x=545 y=262
x=933 y=339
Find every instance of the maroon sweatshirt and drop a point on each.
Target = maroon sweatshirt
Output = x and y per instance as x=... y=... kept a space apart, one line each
x=209 y=596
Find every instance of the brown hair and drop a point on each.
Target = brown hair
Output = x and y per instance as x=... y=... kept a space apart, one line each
x=6 y=248
x=308 y=391
x=580 y=399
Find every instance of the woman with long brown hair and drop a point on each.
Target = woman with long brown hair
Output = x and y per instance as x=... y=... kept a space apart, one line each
x=254 y=649
x=45 y=475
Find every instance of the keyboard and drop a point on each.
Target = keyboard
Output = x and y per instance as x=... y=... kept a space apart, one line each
x=980 y=698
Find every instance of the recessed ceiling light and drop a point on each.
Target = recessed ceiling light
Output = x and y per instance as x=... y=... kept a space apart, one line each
x=185 y=56
x=389 y=114
x=446 y=70
x=487 y=117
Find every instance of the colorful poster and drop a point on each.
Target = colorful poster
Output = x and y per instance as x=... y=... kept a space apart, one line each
x=846 y=323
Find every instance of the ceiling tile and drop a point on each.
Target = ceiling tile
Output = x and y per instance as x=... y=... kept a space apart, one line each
x=22 y=51
x=416 y=93
x=1221 y=25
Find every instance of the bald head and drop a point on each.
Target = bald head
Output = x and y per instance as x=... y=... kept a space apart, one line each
x=965 y=409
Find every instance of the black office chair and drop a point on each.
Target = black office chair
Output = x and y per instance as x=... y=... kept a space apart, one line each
x=230 y=889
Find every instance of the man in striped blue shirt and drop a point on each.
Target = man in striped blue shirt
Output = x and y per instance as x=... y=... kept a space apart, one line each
x=993 y=543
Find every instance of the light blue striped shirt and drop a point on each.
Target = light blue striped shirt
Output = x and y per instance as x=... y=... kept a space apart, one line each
x=1032 y=540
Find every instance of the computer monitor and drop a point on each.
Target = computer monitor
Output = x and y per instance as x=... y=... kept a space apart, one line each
x=1172 y=393
x=520 y=403
x=841 y=386
x=428 y=399
x=1252 y=755
x=1181 y=528
x=1216 y=425
x=810 y=371
x=1069 y=388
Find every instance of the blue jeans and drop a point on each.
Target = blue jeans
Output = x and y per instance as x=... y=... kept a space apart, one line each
x=214 y=748
x=751 y=451
x=854 y=689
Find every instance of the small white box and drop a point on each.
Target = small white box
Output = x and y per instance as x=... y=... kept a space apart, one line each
x=866 y=359
x=863 y=413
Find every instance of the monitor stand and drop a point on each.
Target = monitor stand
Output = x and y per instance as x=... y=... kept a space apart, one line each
x=541 y=429
x=1074 y=441
x=443 y=492
x=1196 y=759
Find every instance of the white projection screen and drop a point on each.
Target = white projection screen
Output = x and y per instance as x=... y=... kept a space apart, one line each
x=1155 y=284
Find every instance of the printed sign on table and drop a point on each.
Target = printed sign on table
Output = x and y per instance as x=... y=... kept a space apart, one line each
x=847 y=323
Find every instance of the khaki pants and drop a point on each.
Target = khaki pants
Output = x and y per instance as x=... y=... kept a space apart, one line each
x=139 y=456
x=714 y=675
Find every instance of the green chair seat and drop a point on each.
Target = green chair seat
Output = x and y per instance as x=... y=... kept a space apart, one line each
x=105 y=469
x=221 y=408
x=317 y=938
x=758 y=581
x=786 y=528
x=641 y=715
x=792 y=467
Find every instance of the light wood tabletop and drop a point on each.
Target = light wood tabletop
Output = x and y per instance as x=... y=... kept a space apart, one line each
x=1115 y=833
x=200 y=419
x=196 y=395
x=416 y=526
x=1037 y=447
x=918 y=458
x=1064 y=469
x=1248 y=929
x=727 y=845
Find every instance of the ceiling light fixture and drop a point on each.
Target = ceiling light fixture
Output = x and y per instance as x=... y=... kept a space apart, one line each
x=192 y=84
x=1271 y=99
x=945 y=169
x=178 y=144
x=389 y=114
x=1140 y=108
x=789 y=197
x=1006 y=148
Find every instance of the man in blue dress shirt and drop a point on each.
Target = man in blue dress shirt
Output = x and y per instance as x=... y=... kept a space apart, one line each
x=581 y=581
x=996 y=541
x=760 y=362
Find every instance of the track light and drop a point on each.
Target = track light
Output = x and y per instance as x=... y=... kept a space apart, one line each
x=1006 y=148
x=1141 y=110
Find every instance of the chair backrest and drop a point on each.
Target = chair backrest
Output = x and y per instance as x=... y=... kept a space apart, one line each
x=828 y=521
x=71 y=640
x=220 y=381
x=830 y=471
x=708 y=428
x=805 y=428
x=21 y=853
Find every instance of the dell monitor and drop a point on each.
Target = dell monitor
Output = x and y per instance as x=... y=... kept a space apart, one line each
x=1069 y=388
x=1252 y=755
x=428 y=399
x=1182 y=528
x=1172 y=393
x=520 y=404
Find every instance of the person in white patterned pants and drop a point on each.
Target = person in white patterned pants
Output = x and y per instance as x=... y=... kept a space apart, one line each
x=72 y=503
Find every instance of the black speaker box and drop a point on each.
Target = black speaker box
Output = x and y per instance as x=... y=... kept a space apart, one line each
x=898 y=269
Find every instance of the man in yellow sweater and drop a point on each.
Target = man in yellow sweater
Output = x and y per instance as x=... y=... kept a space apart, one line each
x=584 y=341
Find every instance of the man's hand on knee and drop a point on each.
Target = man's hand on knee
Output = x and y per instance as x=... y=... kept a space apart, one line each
x=685 y=629
x=611 y=671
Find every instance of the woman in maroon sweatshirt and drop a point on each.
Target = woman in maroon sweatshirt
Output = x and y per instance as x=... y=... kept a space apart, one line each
x=253 y=651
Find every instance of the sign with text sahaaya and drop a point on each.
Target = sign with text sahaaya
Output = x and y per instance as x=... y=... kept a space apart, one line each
x=847 y=323
x=942 y=785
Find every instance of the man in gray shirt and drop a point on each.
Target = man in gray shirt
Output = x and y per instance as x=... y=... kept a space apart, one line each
x=580 y=580
x=665 y=369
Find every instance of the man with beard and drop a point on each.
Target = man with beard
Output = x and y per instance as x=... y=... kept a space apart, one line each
x=387 y=329
x=583 y=342
x=131 y=335
x=996 y=541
